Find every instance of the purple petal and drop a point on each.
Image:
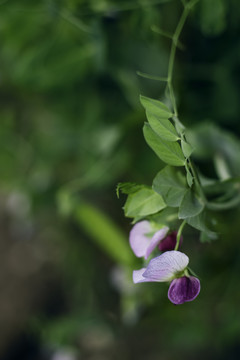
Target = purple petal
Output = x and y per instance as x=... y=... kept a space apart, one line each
x=138 y=241
x=166 y=266
x=169 y=242
x=157 y=237
x=183 y=289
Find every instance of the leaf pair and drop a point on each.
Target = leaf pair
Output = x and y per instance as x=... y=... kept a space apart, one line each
x=160 y=134
x=171 y=185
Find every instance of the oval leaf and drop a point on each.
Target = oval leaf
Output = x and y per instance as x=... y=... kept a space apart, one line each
x=169 y=152
x=163 y=127
x=190 y=206
x=190 y=178
x=155 y=107
x=171 y=185
x=143 y=202
x=186 y=148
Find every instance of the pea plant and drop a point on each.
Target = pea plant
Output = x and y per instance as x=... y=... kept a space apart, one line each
x=179 y=196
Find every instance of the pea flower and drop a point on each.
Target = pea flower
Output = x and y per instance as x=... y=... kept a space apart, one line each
x=171 y=266
x=144 y=239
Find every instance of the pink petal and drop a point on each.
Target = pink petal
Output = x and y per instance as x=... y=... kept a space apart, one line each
x=156 y=239
x=138 y=241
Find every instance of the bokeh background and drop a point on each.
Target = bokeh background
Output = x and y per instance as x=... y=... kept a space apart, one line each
x=70 y=130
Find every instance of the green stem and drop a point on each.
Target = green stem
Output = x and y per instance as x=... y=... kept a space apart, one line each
x=180 y=230
x=152 y=77
x=197 y=182
x=175 y=41
x=193 y=273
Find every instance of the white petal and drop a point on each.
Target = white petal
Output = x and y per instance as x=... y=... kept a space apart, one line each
x=166 y=266
x=138 y=278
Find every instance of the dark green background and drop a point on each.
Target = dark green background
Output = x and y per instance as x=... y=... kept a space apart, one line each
x=70 y=130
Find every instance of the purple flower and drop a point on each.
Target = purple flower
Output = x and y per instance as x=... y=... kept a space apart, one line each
x=171 y=266
x=183 y=289
x=169 y=242
x=143 y=239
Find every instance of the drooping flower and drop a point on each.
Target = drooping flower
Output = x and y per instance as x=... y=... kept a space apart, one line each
x=169 y=242
x=171 y=266
x=183 y=289
x=144 y=239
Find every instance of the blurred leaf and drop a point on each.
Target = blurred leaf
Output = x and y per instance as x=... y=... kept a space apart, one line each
x=190 y=206
x=171 y=184
x=213 y=16
x=143 y=202
x=168 y=152
x=105 y=233
x=163 y=127
x=220 y=187
x=210 y=141
x=129 y=83
x=65 y=201
x=151 y=77
x=199 y=222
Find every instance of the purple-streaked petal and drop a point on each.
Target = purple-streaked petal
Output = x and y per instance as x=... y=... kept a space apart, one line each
x=138 y=241
x=157 y=237
x=138 y=278
x=166 y=266
x=183 y=289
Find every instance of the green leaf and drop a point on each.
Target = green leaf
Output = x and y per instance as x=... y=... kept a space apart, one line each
x=190 y=206
x=169 y=216
x=143 y=202
x=186 y=148
x=207 y=237
x=208 y=141
x=171 y=185
x=155 y=107
x=163 y=127
x=105 y=233
x=169 y=152
x=189 y=176
x=178 y=125
x=199 y=222
x=127 y=188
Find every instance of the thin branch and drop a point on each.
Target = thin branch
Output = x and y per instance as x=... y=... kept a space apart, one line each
x=152 y=77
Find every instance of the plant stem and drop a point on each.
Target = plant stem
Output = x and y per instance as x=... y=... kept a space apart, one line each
x=197 y=182
x=175 y=41
x=179 y=234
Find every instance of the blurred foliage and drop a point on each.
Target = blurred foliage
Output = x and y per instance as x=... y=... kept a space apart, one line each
x=70 y=130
